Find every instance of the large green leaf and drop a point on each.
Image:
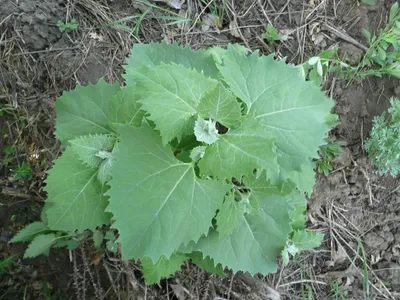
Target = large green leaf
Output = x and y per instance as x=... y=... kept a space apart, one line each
x=76 y=196
x=239 y=152
x=221 y=105
x=170 y=94
x=154 y=54
x=125 y=108
x=157 y=201
x=293 y=110
x=84 y=111
x=29 y=232
x=163 y=268
x=259 y=238
x=40 y=245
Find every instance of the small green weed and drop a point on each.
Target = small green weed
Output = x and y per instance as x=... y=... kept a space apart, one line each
x=217 y=10
x=316 y=67
x=6 y=263
x=337 y=292
x=366 y=284
x=49 y=294
x=384 y=49
x=327 y=153
x=383 y=145
x=271 y=35
x=23 y=171
x=67 y=26
x=8 y=155
x=132 y=23
x=383 y=56
x=2 y=110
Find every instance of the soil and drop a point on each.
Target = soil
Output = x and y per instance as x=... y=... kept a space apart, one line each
x=35 y=21
x=353 y=206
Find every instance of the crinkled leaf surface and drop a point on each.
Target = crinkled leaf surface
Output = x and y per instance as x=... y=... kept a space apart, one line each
x=40 y=245
x=84 y=111
x=218 y=53
x=154 y=54
x=170 y=94
x=205 y=131
x=104 y=170
x=163 y=268
x=76 y=196
x=87 y=148
x=157 y=201
x=125 y=108
x=293 y=110
x=197 y=153
x=301 y=240
x=306 y=240
x=221 y=105
x=29 y=232
x=239 y=152
x=259 y=238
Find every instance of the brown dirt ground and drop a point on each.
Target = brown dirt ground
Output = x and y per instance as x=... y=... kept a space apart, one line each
x=349 y=206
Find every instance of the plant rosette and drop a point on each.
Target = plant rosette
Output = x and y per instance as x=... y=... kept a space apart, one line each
x=203 y=155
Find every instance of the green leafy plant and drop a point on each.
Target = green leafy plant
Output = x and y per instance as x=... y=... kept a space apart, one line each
x=327 y=153
x=328 y=61
x=384 y=49
x=67 y=26
x=218 y=9
x=382 y=57
x=22 y=171
x=49 y=294
x=132 y=23
x=202 y=155
x=383 y=146
x=337 y=291
x=8 y=153
x=3 y=110
x=6 y=263
x=271 y=35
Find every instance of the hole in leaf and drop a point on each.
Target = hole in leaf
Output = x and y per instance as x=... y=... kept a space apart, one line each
x=240 y=184
x=221 y=128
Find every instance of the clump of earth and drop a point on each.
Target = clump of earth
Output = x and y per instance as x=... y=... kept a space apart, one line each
x=34 y=21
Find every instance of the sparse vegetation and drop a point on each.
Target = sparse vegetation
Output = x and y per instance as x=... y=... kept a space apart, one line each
x=271 y=35
x=384 y=49
x=8 y=154
x=22 y=171
x=68 y=26
x=327 y=153
x=218 y=10
x=6 y=263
